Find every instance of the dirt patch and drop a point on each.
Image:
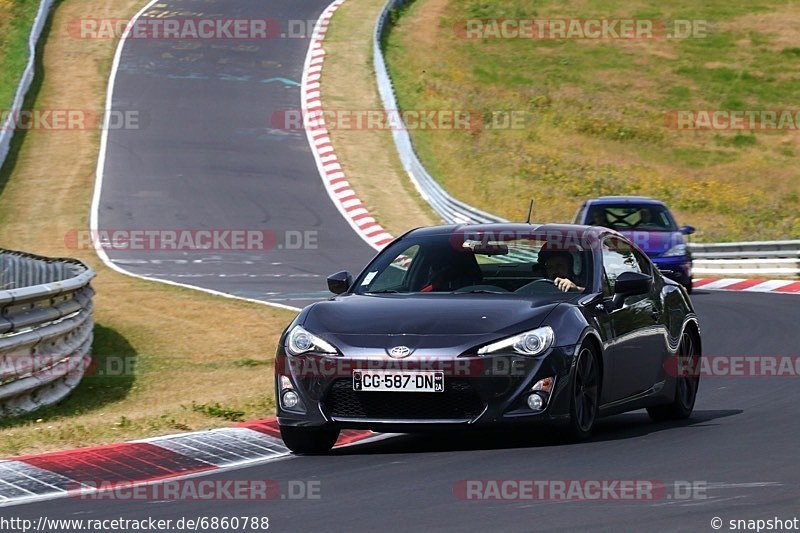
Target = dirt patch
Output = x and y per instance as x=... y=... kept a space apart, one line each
x=782 y=25
x=425 y=31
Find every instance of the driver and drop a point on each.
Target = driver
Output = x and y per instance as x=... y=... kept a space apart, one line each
x=599 y=219
x=557 y=268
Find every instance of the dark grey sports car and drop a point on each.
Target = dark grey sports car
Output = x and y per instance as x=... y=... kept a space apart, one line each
x=487 y=325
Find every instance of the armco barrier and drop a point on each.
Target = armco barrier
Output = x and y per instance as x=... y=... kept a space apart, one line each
x=45 y=329
x=756 y=257
x=7 y=128
x=451 y=210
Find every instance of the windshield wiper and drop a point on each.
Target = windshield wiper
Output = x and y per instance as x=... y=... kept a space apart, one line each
x=384 y=291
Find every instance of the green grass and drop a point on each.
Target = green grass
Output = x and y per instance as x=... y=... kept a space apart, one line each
x=218 y=411
x=596 y=110
x=16 y=19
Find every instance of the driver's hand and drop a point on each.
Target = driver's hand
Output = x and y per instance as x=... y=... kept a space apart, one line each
x=565 y=284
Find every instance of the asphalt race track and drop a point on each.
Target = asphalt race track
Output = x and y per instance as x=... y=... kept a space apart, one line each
x=205 y=156
x=740 y=444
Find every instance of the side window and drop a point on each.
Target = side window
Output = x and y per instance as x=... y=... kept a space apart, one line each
x=618 y=257
x=395 y=277
x=643 y=262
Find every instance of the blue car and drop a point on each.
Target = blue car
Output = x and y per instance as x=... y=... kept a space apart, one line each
x=650 y=225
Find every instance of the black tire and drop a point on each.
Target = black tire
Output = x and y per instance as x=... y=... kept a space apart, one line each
x=309 y=441
x=585 y=394
x=682 y=405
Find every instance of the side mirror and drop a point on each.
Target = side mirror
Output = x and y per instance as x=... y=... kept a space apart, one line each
x=630 y=284
x=591 y=299
x=688 y=230
x=340 y=282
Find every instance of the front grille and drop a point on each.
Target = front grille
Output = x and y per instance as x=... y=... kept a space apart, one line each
x=458 y=401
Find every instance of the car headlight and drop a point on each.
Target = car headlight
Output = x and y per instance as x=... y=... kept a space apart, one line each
x=675 y=251
x=531 y=342
x=299 y=341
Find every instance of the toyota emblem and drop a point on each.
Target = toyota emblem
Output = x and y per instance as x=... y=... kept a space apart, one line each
x=398 y=352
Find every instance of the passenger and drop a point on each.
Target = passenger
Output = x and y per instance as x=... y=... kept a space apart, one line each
x=645 y=217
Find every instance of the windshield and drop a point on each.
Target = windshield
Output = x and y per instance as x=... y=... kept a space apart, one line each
x=477 y=263
x=627 y=217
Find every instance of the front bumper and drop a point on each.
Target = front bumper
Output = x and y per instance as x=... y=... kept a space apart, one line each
x=478 y=392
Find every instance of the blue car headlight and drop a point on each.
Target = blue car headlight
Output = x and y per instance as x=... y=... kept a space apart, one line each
x=531 y=342
x=679 y=250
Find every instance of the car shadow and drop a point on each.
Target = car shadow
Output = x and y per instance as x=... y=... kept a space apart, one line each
x=698 y=292
x=619 y=427
x=109 y=379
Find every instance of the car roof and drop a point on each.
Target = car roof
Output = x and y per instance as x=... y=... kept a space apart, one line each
x=498 y=228
x=624 y=200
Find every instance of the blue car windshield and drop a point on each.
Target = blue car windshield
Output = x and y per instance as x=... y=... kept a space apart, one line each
x=627 y=217
x=480 y=263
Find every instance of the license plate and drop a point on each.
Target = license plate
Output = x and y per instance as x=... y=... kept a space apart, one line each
x=389 y=381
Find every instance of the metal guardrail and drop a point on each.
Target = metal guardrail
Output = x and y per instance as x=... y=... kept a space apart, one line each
x=451 y=210
x=7 y=127
x=45 y=329
x=747 y=258
x=749 y=248
x=754 y=257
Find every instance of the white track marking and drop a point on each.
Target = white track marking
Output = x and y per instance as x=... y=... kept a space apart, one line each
x=98 y=184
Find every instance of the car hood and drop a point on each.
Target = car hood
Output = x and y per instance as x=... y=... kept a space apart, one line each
x=654 y=243
x=428 y=322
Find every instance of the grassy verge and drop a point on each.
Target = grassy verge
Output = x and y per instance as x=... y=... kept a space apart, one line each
x=596 y=110
x=164 y=362
x=368 y=157
x=16 y=18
